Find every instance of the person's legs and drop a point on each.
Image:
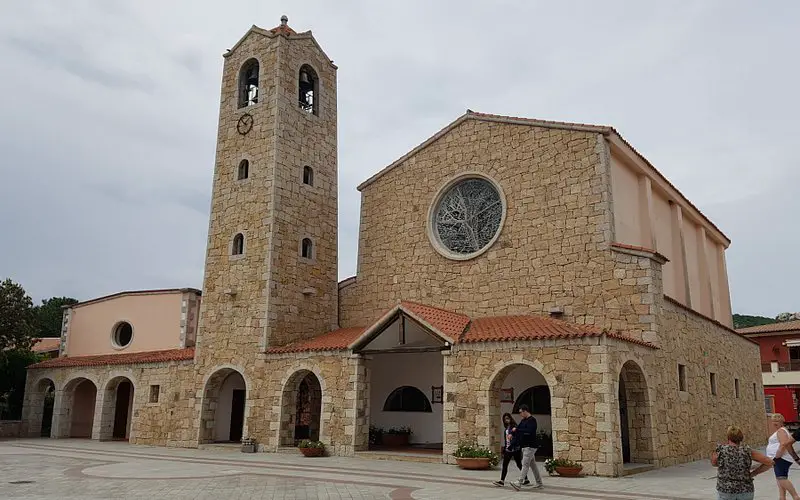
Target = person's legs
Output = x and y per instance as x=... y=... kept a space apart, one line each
x=506 y=459
x=535 y=468
x=527 y=456
x=786 y=486
x=781 y=469
x=518 y=460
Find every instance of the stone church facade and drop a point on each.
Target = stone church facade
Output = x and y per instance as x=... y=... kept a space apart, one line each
x=504 y=260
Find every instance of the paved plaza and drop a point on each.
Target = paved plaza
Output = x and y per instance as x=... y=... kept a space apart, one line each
x=89 y=469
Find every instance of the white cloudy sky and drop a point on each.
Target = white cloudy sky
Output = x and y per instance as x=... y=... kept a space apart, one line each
x=108 y=117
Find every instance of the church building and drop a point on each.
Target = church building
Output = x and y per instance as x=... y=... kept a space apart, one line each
x=502 y=261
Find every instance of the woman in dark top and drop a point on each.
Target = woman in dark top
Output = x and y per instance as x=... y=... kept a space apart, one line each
x=511 y=449
x=734 y=477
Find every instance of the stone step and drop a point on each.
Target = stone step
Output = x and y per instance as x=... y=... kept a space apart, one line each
x=291 y=450
x=428 y=458
x=631 y=469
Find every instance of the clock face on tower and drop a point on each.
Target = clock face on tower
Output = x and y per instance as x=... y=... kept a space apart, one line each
x=245 y=123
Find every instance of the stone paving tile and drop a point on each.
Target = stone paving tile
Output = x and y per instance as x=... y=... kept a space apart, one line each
x=88 y=469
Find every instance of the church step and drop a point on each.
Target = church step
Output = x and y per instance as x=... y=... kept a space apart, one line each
x=428 y=458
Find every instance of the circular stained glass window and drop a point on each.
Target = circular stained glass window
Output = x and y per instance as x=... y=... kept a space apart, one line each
x=467 y=218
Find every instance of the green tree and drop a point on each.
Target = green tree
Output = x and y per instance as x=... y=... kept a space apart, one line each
x=17 y=318
x=49 y=316
x=17 y=328
x=744 y=320
x=13 y=370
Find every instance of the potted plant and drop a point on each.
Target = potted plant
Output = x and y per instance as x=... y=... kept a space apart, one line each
x=563 y=467
x=396 y=436
x=470 y=456
x=375 y=435
x=311 y=448
x=248 y=445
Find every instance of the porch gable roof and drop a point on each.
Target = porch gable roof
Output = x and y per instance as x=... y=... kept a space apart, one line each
x=446 y=325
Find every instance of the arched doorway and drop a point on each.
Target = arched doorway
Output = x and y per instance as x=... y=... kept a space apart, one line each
x=514 y=385
x=117 y=412
x=223 y=409
x=41 y=401
x=634 y=415
x=301 y=408
x=80 y=396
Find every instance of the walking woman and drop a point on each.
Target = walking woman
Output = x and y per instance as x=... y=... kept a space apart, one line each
x=779 y=448
x=735 y=479
x=511 y=448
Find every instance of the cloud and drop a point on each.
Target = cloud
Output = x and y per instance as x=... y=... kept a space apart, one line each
x=108 y=132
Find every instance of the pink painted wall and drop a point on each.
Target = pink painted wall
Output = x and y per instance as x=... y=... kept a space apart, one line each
x=627 y=205
x=155 y=317
x=704 y=266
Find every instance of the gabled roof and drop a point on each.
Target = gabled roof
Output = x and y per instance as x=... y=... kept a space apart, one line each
x=513 y=120
x=336 y=340
x=46 y=344
x=785 y=326
x=456 y=328
x=133 y=358
x=446 y=325
x=281 y=30
x=156 y=291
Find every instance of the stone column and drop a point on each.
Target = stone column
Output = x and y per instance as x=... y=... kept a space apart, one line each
x=103 y=421
x=449 y=414
x=61 y=414
x=359 y=398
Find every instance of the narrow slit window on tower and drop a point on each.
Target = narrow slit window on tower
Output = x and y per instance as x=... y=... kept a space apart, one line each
x=308 y=90
x=682 y=378
x=248 y=83
x=736 y=388
x=308 y=175
x=307 y=248
x=244 y=170
x=238 y=244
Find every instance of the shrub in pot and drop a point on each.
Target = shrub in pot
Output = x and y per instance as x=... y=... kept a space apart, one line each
x=375 y=435
x=311 y=448
x=469 y=455
x=563 y=467
x=396 y=436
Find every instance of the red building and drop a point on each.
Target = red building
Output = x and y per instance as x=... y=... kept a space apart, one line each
x=780 y=366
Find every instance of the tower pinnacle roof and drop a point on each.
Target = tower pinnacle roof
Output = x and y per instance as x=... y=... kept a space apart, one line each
x=283 y=28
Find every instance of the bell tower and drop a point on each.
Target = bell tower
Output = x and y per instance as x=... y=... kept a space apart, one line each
x=271 y=263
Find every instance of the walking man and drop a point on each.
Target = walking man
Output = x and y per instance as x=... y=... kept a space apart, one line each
x=525 y=433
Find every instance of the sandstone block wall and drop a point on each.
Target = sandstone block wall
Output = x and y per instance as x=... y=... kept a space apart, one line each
x=168 y=422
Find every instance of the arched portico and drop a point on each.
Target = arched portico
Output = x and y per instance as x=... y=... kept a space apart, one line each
x=223 y=417
x=75 y=413
x=515 y=384
x=117 y=409
x=635 y=422
x=40 y=402
x=301 y=408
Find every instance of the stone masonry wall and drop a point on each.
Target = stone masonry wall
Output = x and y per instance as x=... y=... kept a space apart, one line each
x=698 y=419
x=580 y=381
x=553 y=250
x=232 y=326
x=303 y=292
x=168 y=422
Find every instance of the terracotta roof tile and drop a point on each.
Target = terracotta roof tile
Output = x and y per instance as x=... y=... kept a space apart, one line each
x=511 y=328
x=45 y=344
x=785 y=326
x=447 y=322
x=133 y=358
x=332 y=341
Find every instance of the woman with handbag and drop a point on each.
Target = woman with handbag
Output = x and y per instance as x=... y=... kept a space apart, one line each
x=511 y=449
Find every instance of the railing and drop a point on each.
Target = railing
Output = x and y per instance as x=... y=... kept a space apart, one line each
x=791 y=366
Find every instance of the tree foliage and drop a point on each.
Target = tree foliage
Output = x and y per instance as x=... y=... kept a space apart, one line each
x=745 y=321
x=13 y=364
x=49 y=316
x=17 y=317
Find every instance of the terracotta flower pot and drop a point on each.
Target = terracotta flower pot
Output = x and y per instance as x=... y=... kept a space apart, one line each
x=569 y=471
x=473 y=463
x=395 y=440
x=312 y=452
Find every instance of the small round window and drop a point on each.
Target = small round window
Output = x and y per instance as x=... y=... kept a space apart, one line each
x=123 y=334
x=467 y=217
